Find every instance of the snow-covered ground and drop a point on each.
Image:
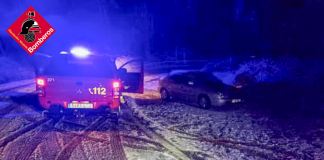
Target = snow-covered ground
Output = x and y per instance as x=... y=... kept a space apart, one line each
x=25 y=134
x=219 y=133
x=230 y=133
x=11 y=70
x=15 y=84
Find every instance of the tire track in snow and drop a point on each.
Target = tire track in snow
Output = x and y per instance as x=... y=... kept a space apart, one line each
x=63 y=137
x=73 y=134
x=68 y=149
x=11 y=121
x=240 y=145
x=5 y=140
x=115 y=143
x=29 y=143
x=100 y=150
x=139 y=139
x=5 y=122
x=110 y=147
x=221 y=130
x=27 y=148
x=89 y=146
x=158 y=138
x=141 y=147
x=137 y=142
x=49 y=148
x=7 y=109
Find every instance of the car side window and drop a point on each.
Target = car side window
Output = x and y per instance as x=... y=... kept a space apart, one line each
x=207 y=79
x=184 y=79
x=174 y=78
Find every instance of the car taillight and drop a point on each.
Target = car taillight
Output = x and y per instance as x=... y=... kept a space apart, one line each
x=116 y=86
x=40 y=82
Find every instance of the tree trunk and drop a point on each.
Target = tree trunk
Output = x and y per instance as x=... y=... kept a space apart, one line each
x=1 y=48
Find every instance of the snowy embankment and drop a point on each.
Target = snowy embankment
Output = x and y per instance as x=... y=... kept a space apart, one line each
x=12 y=71
x=8 y=86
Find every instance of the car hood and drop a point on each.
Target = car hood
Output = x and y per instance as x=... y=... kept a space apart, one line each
x=228 y=90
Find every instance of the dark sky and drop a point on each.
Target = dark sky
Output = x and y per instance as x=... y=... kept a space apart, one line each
x=78 y=23
x=211 y=28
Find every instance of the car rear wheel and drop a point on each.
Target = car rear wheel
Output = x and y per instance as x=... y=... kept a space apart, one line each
x=165 y=95
x=204 y=102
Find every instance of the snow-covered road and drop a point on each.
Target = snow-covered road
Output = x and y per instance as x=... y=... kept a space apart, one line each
x=152 y=129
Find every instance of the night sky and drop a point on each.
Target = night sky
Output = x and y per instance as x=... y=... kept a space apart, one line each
x=201 y=29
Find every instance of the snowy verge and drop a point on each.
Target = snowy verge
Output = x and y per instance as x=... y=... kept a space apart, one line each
x=10 y=85
x=13 y=71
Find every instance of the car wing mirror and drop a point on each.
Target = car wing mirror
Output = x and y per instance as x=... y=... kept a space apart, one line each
x=191 y=83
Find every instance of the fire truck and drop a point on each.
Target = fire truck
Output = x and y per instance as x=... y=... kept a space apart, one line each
x=81 y=83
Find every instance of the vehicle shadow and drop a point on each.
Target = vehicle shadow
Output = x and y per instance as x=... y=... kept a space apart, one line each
x=29 y=99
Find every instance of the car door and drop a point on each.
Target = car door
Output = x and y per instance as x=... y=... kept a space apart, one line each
x=187 y=88
x=173 y=85
x=131 y=75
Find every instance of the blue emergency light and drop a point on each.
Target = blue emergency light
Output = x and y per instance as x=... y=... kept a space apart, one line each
x=80 y=52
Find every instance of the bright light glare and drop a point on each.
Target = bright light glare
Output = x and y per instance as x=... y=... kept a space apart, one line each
x=116 y=84
x=63 y=52
x=80 y=52
x=238 y=86
x=40 y=82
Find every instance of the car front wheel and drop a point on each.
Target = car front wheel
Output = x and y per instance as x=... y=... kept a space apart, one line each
x=204 y=102
x=165 y=95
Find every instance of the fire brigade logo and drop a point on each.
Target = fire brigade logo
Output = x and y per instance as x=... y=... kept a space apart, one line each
x=28 y=27
x=30 y=30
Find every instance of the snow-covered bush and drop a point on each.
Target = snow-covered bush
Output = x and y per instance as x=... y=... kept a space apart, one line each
x=221 y=65
x=267 y=70
x=13 y=71
x=282 y=84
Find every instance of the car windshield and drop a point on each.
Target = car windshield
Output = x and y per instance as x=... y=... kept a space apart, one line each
x=73 y=68
x=206 y=78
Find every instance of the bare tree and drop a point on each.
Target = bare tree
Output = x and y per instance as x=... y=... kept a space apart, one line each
x=1 y=47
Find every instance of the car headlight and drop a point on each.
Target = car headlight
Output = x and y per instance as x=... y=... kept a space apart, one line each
x=238 y=86
x=220 y=95
x=236 y=100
